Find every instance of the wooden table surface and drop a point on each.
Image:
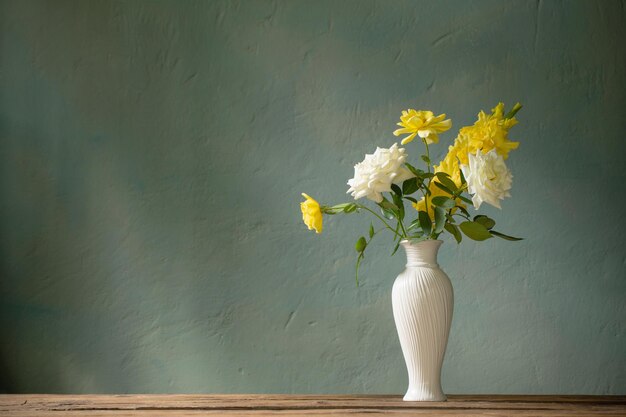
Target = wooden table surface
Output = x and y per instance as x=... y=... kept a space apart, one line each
x=308 y=405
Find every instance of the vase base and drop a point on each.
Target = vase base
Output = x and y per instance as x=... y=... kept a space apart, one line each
x=416 y=396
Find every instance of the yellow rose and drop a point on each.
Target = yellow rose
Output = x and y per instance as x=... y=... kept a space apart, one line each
x=423 y=123
x=489 y=132
x=311 y=214
x=450 y=165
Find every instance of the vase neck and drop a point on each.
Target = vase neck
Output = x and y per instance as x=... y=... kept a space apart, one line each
x=423 y=254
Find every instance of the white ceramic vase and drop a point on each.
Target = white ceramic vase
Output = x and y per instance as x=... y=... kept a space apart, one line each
x=422 y=301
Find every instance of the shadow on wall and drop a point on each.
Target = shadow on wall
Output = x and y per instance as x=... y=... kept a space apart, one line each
x=6 y=381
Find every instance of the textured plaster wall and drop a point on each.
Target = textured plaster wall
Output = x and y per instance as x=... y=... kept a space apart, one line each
x=152 y=156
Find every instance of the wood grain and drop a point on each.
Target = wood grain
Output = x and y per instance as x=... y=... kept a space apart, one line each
x=308 y=405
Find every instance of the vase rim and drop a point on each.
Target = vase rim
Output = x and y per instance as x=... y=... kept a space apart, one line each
x=406 y=241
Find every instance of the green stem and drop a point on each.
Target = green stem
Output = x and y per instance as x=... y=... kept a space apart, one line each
x=402 y=227
x=356 y=269
x=457 y=214
x=381 y=219
x=460 y=191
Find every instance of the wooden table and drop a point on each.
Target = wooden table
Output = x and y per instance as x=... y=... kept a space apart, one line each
x=308 y=405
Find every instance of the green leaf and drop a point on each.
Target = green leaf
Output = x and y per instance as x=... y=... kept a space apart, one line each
x=475 y=231
x=440 y=219
x=415 y=171
x=361 y=244
x=463 y=210
x=426 y=159
x=395 y=249
x=411 y=199
x=462 y=177
x=467 y=200
x=389 y=210
x=444 y=202
x=505 y=237
x=416 y=235
x=397 y=201
x=444 y=188
x=513 y=111
x=350 y=208
x=414 y=224
x=454 y=231
x=396 y=189
x=334 y=209
x=388 y=205
x=425 y=222
x=388 y=214
x=409 y=186
x=372 y=230
x=485 y=221
x=449 y=184
x=442 y=175
x=340 y=206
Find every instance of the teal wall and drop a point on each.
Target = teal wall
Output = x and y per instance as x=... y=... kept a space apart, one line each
x=152 y=156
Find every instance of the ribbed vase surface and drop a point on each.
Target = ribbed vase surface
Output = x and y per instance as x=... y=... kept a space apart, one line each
x=422 y=301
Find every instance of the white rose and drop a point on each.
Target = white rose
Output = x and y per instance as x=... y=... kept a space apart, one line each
x=488 y=178
x=375 y=174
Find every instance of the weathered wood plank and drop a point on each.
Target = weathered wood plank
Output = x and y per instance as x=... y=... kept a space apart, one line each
x=252 y=400
x=318 y=412
x=305 y=413
x=308 y=405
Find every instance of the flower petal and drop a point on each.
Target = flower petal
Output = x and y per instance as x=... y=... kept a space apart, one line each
x=408 y=138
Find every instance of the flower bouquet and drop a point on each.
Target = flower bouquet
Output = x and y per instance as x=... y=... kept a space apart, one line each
x=473 y=172
x=475 y=165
